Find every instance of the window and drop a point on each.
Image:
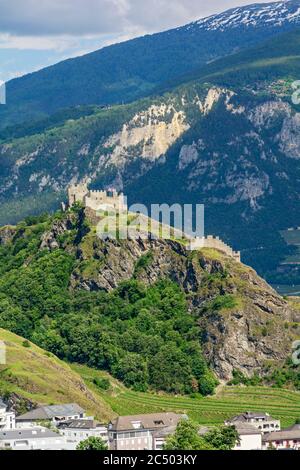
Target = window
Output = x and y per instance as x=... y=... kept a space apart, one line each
x=136 y=424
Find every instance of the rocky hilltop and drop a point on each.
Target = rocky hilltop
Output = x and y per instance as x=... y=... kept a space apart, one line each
x=242 y=324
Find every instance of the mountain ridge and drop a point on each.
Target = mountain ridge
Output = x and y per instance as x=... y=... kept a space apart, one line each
x=130 y=70
x=165 y=138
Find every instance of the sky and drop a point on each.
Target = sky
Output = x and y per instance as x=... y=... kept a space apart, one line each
x=38 y=33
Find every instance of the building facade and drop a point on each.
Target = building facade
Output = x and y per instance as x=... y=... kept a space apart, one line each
x=250 y=437
x=32 y=439
x=7 y=418
x=54 y=414
x=139 y=432
x=76 y=431
x=261 y=421
x=286 y=439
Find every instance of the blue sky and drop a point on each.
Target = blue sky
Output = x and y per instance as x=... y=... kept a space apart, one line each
x=38 y=33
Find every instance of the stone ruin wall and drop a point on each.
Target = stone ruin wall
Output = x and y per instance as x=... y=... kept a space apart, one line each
x=214 y=243
x=93 y=199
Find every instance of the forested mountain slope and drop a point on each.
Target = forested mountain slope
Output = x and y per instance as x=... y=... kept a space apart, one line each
x=133 y=69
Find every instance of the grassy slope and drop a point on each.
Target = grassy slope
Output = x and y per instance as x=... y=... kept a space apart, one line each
x=42 y=378
x=278 y=57
x=229 y=401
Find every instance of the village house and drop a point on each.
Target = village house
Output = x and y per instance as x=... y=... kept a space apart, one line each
x=32 y=439
x=250 y=437
x=7 y=418
x=142 y=432
x=286 y=439
x=54 y=414
x=261 y=421
x=79 y=430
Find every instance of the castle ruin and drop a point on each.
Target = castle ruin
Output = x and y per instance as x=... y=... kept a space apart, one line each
x=215 y=243
x=96 y=200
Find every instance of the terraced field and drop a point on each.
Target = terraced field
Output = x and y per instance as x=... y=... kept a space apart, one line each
x=229 y=401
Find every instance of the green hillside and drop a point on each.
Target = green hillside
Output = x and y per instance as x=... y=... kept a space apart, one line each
x=276 y=58
x=144 y=311
x=38 y=376
x=228 y=401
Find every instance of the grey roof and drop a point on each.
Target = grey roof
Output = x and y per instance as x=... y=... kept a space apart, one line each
x=244 y=417
x=284 y=435
x=164 y=432
x=149 y=421
x=246 y=429
x=295 y=427
x=79 y=424
x=49 y=412
x=38 y=433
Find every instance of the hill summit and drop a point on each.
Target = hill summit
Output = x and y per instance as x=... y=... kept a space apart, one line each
x=150 y=312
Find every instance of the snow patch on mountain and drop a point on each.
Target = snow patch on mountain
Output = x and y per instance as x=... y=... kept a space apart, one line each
x=272 y=14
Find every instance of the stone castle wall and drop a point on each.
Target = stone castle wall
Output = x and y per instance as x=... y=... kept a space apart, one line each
x=96 y=200
x=76 y=193
x=215 y=243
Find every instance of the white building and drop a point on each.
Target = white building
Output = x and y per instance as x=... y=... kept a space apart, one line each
x=140 y=432
x=250 y=437
x=76 y=431
x=32 y=439
x=262 y=421
x=54 y=414
x=7 y=418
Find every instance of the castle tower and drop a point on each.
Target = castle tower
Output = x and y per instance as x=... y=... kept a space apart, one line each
x=77 y=193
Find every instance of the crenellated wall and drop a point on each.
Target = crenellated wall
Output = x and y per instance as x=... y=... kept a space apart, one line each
x=96 y=200
x=215 y=243
x=99 y=200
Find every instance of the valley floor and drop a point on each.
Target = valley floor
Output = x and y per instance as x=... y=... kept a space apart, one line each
x=228 y=402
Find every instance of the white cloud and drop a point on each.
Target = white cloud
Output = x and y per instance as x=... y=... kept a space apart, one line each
x=38 y=33
x=56 y=22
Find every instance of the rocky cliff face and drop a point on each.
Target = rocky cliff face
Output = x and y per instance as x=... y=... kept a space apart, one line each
x=230 y=149
x=243 y=323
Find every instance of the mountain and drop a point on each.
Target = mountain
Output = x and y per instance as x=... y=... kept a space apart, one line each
x=127 y=71
x=33 y=377
x=226 y=137
x=149 y=312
